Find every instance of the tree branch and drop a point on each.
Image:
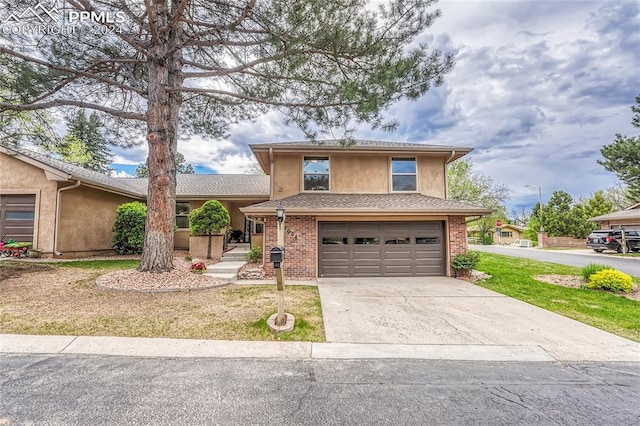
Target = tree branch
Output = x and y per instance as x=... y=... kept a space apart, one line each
x=80 y=104
x=77 y=73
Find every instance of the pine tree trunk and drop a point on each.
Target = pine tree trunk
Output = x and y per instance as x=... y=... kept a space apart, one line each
x=162 y=128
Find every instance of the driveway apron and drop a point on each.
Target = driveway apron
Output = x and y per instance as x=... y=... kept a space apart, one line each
x=447 y=311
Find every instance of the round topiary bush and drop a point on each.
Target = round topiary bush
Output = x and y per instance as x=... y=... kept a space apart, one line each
x=128 y=230
x=612 y=280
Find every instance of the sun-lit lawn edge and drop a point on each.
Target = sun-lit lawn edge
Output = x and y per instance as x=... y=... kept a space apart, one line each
x=513 y=277
x=74 y=305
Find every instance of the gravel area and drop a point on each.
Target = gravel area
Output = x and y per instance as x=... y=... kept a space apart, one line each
x=179 y=279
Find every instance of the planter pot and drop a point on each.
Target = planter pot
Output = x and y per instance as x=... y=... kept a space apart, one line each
x=198 y=246
x=34 y=253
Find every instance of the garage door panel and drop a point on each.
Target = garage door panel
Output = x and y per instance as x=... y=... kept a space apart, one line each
x=17 y=214
x=381 y=248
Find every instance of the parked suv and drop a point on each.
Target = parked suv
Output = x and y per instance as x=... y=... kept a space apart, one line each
x=611 y=239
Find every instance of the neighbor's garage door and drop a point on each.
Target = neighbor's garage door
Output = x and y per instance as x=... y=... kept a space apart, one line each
x=368 y=249
x=17 y=213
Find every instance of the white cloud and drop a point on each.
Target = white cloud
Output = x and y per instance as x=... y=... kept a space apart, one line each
x=538 y=88
x=120 y=174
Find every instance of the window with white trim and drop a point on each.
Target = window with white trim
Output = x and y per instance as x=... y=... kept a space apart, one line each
x=403 y=174
x=316 y=173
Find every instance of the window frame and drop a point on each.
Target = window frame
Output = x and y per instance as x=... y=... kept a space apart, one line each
x=392 y=174
x=188 y=203
x=328 y=174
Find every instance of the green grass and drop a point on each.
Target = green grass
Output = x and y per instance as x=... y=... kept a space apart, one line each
x=107 y=265
x=514 y=277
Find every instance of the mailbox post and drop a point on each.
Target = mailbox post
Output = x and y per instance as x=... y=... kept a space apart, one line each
x=280 y=321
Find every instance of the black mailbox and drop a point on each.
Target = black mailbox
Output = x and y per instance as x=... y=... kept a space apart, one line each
x=276 y=256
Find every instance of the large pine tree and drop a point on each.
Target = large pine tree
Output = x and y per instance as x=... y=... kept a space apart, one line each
x=182 y=66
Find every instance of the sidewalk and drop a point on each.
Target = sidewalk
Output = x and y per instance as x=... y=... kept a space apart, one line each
x=184 y=348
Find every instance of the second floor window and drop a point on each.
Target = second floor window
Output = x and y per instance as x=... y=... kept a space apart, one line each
x=316 y=173
x=403 y=174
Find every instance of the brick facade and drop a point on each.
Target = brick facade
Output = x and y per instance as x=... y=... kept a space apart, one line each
x=457 y=237
x=301 y=245
x=301 y=238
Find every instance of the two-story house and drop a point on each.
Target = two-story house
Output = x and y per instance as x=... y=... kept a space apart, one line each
x=372 y=209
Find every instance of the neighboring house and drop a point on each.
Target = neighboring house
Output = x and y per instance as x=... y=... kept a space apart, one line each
x=509 y=234
x=373 y=209
x=629 y=217
x=68 y=210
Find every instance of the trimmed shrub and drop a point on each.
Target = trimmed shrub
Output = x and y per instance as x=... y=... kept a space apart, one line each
x=612 y=280
x=209 y=219
x=591 y=269
x=466 y=261
x=254 y=254
x=128 y=230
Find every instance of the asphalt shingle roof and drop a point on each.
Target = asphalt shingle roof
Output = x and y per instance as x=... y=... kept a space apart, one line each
x=358 y=143
x=413 y=203
x=622 y=214
x=188 y=185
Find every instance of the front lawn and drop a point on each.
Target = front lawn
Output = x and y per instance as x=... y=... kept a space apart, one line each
x=62 y=298
x=513 y=276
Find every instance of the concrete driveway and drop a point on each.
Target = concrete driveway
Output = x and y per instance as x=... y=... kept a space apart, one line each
x=446 y=311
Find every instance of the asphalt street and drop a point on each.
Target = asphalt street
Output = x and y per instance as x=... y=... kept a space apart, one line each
x=101 y=390
x=580 y=258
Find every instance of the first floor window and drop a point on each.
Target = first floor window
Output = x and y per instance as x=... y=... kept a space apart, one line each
x=182 y=214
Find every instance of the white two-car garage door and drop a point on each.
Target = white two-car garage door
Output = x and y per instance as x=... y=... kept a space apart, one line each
x=17 y=213
x=368 y=249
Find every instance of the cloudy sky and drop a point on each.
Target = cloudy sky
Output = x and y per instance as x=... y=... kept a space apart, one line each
x=538 y=88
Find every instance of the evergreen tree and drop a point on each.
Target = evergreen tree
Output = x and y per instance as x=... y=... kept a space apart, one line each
x=623 y=157
x=84 y=144
x=181 y=168
x=177 y=67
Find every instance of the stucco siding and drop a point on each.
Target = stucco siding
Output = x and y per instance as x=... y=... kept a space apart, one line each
x=431 y=176
x=86 y=218
x=287 y=175
x=357 y=173
x=351 y=174
x=18 y=177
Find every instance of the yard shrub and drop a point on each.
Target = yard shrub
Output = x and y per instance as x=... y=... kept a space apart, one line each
x=209 y=219
x=254 y=254
x=612 y=280
x=128 y=230
x=467 y=261
x=591 y=269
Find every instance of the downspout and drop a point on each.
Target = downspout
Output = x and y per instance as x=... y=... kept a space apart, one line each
x=446 y=184
x=57 y=227
x=271 y=173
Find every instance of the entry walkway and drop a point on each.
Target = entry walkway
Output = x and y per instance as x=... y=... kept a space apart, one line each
x=446 y=311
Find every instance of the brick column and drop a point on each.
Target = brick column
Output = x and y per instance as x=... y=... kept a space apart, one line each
x=457 y=238
x=300 y=247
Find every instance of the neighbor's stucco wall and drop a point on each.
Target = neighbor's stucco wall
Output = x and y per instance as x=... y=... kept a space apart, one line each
x=18 y=177
x=353 y=173
x=87 y=216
